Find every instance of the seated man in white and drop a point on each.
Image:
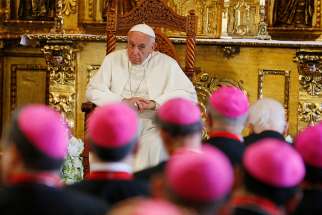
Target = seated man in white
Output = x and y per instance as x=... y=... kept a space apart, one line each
x=144 y=79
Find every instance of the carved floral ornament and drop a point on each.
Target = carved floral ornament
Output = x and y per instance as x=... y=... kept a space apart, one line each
x=310 y=112
x=64 y=103
x=60 y=63
x=205 y=84
x=69 y=7
x=309 y=68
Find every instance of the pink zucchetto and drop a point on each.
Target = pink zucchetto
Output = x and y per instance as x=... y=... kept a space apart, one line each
x=229 y=101
x=309 y=144
x=179 y=111
x=44 y=128
x=113 y=125
x=275 y=163
x=200 y=176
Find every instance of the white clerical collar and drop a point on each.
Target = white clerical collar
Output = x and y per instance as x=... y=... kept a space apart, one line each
x=111 y=167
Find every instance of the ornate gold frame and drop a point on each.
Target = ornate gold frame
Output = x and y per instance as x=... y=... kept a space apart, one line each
x=286 y=74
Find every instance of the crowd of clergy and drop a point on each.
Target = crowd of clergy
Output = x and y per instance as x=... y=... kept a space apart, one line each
x=228 y=173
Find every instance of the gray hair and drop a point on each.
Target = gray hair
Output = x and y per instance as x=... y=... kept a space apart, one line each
x=233 y=125
x=267 y=114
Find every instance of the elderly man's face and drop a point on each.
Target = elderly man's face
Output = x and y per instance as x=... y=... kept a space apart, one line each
x=139 y=46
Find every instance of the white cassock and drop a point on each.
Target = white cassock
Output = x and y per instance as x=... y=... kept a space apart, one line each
x=158 y=78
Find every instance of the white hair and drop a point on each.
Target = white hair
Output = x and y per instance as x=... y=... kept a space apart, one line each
x=267 y=114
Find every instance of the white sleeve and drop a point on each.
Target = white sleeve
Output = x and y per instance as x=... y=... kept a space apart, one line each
x=178 y=85
x=98 y=90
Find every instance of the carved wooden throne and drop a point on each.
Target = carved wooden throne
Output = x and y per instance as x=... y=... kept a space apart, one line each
x=158 y=15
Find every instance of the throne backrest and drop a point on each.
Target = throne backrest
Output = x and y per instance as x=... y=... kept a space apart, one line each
x=158 y=15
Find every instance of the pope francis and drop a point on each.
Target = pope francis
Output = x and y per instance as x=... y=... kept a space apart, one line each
x=144 y=79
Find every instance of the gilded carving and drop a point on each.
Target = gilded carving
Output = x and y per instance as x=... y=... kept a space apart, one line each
x=310 y=74
x=64 y=102
x=286 y=74
x=311 y=84
x=243 y=18
x=91 y=70
x=61 y=61
x=208 y=11
x=69 y=7
x=61 y=64
x=310 y=113
x=205 y=84
x=59 y=19
x=262 y=33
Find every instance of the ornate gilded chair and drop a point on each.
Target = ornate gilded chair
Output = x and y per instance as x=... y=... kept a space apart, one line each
x=158 y=15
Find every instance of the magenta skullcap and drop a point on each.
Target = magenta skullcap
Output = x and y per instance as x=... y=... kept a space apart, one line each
x=179 y=111
x=229 y=101
x=275 y=163
x=200 y=176
x=113 y=125
x=44 y=128
x=309 y=144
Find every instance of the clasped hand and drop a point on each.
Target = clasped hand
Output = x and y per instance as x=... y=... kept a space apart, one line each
x=140 y=104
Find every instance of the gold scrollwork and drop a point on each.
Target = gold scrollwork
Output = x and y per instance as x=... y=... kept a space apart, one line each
x=243 y=18
x=70 y=37
x=286 y=75
x=65 y=104
x=60 y=63
x=310 y=112
x=59 y=19
x=69 y=7
x=311 y=84
x=309 y=68
x=205 y=84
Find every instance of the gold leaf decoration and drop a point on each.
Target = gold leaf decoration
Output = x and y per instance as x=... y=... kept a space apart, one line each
x=69 y=7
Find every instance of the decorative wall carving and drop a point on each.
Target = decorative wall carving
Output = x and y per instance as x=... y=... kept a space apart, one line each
x=59 y=19
x=310 y=80
x=61 y=60
x=69 y=7
x=64 y=102
x=262 y=33
x=205 y=84
x=286 y=74
x=311 y=84
x=309 y=112
x=61 y=64
x=208 y=11
x=243 y=18
x=310 y=73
